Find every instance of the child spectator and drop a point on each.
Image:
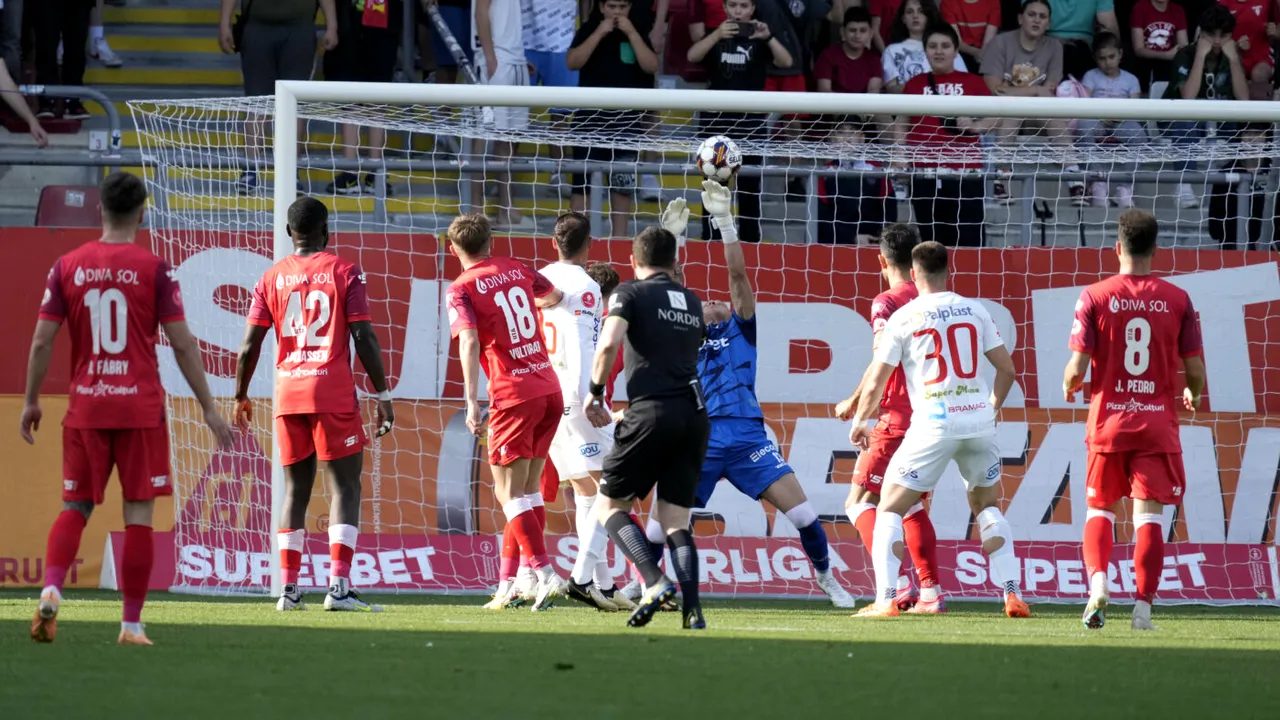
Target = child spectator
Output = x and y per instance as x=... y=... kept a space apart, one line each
x=976 y=22
x=853 y=209
x=905 y=57
x=1158 y=29
x=850 y=66
x=1208 y=70
x=1254 y=42
x=1109 y=81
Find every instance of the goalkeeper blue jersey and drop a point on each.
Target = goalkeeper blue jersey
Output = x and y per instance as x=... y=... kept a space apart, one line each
x=727 y=369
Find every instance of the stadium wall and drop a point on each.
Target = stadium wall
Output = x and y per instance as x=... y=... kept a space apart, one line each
x=426 y=529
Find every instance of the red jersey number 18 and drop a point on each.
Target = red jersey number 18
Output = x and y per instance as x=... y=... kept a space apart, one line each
x=108 y=320
x=953 y=349
x=295 y=324
x=518 y=312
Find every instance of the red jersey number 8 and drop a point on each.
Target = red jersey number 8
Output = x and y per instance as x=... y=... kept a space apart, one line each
x=953 y=350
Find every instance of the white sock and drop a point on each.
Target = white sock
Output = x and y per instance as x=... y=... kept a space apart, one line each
x=589 y=529
x=136 y=628
x=1098 y=585
x=95 y=32
x=57 y=594
x=888 y=533
x=1003 y=562
x=904 y=582
x=929 y=594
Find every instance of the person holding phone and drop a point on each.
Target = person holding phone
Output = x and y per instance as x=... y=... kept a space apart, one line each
x=737 y=55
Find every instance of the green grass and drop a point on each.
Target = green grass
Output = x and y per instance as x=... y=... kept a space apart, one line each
x=430 y=657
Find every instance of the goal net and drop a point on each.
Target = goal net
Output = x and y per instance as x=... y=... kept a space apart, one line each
x=823 y=174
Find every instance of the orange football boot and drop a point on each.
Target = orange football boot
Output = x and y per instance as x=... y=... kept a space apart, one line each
x=1015 y=607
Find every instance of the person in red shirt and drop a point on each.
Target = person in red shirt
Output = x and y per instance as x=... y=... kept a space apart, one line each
x=850 y=66
x=113 y=296
x=1158 y=29
x=1132 y=333
x=949 y=207
x=1253 y=39
x=896 y=243
x=492 y=308
x=882 y=14
x=318 y=305
x=976 y=22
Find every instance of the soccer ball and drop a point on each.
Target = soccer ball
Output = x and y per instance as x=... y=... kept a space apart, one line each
x=719 y=158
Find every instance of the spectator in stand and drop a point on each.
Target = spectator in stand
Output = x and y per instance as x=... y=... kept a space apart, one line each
x=66 y=22
x=1073 y=25
x=1253 y=39
x=883 y=14
x=278 y=42
x=368 y=38
x=1210 y=69
x=457 y=16
x=853 y=209
x=976 y=22
x=498 y=45
x=737 y=55
x=99 y=48
x=549 y=27
x=1158 y=30
x=905 y=57
x=11 y=36
x=609 y=50
x=16 y=102
x=850 y=66
x=946 y=190
x=1027 y=63
x=1109 y=81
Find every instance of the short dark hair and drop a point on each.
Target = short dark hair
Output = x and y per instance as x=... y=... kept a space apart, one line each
x=896 y=242
x=1027 y=3
x=929 y=258
x=1217 y=19
x=944 y=29
x=308 y=220
x=856 y=14
x=605 y=276
x=470 y=233
x=1104 y=40
x=122 y=195
x=1139 y=231
x=655 y=247
x=572 y=233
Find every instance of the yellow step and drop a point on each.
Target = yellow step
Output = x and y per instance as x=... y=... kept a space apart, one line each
x=152 y=43
x=160 y=16
x=158 y=76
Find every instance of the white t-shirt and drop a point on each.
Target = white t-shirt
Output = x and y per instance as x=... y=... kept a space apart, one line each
x=939 y=340
x=508 y=32
x=570 y=329
x=1101 y=86
x=549 y=25
x=904 y=60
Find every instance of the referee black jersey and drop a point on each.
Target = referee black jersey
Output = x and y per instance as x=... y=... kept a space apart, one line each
x=664 y=332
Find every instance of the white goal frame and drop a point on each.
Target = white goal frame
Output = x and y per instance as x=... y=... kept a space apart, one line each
x=290 y=93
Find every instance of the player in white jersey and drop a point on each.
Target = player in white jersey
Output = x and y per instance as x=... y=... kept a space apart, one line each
x=936 y=339
x=569 y=332
x=498 y=40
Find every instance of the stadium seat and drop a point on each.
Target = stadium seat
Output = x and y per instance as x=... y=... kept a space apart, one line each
x=69 y=206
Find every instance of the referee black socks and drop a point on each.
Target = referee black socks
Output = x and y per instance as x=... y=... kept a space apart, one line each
x=628 y=536
x=685 y=557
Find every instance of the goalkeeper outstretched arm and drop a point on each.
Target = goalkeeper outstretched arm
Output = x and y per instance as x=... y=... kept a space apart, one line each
x=717 y=202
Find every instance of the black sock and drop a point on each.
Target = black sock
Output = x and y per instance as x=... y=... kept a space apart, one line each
x=628 y=536
x=685 y=557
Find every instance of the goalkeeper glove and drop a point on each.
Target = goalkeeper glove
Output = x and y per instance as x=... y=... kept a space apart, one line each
x=675 y=219
x=716 y=202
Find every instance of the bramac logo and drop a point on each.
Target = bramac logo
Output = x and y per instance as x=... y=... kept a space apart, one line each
x=590 y=449
x=1119 y=304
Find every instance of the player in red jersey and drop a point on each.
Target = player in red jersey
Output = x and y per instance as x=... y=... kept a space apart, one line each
x=114 y=296
x=1253 y=35
x=1133 y=332
x=896 y=242
x=318 y=304
x=492 y=308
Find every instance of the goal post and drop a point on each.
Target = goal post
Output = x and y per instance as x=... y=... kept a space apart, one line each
x=428 y=519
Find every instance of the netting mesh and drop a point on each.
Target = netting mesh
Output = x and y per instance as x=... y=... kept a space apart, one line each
x=429 y=519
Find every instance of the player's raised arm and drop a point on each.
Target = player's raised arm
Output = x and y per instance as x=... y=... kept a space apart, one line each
x=187 y=354
x=716 y=202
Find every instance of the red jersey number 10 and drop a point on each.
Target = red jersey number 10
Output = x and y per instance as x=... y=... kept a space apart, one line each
x=108 y=320
x=295 y=325
x=953 y=349
x=518 y=312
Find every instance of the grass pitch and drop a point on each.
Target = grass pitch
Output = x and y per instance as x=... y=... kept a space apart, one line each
x=430 y=657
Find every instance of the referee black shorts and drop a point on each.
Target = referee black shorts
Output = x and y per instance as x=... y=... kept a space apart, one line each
x=660 y=441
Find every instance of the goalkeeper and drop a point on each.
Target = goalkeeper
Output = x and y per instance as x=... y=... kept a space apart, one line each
x=739 y=449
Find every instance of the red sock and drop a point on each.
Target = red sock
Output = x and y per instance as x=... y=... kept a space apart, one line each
x=64 y=542
x=340 y=561
x=529 y=534
x=865 y=524
x=509 y=560
x=922 y=544
x=290 y=543
x=540 y=512
x=1099 y=537
x=135 y=570
x=1148 y=559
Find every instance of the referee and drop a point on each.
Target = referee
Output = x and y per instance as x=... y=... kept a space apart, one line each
x=662 y=438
